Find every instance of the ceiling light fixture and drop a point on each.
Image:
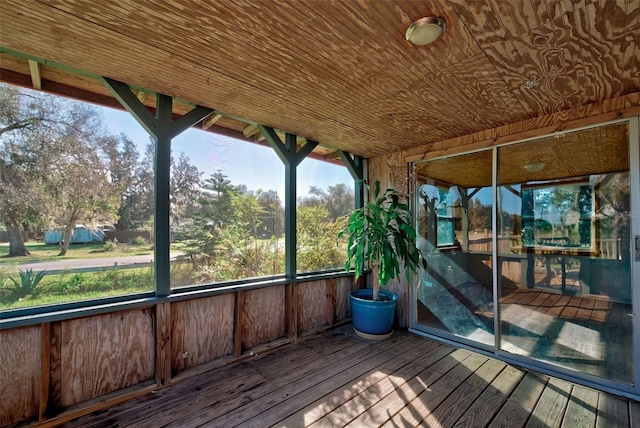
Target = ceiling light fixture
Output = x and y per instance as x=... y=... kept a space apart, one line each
x=426 y=30
x=535 y=166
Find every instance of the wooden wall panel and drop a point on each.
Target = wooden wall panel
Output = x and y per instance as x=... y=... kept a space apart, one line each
x=104 y=353
x=201 y=330
x=19 y=374
x=263 y=316
x=55 y=382
x=343 y=288
x=392 y=172
x=312 y=301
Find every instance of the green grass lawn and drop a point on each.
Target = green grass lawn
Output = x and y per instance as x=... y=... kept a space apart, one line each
x=41 y=252
x=74 y=286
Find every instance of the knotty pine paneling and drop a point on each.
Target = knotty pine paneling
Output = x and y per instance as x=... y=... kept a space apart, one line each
x=19 y=374
x=201 y=330
x=104 y=353
x=263 y=316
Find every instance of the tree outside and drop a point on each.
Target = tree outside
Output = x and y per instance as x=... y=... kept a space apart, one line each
x=60 y=169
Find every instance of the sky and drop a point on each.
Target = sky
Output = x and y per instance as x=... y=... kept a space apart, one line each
x=253 y=165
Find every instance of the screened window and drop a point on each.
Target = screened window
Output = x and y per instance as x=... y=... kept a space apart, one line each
x=325 y=197
x=227 y=210
x=76 y=201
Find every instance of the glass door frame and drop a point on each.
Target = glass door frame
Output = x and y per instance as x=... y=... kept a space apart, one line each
x=630 y=391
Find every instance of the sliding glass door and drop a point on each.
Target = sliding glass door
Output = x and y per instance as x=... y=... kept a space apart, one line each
x=454 y=201
x=530 y=249
x=565 y=275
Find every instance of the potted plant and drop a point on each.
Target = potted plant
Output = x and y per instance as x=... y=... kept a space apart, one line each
x=380 y=235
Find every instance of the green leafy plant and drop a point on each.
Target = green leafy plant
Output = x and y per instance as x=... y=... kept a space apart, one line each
x=381 y=235
x=139 y=240
x=27 y=286
x=110 y=246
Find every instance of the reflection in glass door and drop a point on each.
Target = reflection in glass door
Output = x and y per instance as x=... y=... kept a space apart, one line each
x=454 y=294
x=560 y=265
x=564 y=266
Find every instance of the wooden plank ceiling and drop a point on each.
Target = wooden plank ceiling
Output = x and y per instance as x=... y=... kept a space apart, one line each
x=599 y=150
x=338 y=72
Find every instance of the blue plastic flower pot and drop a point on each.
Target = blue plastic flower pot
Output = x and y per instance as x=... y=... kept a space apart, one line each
x=370 y=316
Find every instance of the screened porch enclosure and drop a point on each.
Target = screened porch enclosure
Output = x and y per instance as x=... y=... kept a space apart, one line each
x=513 y=136
x=560 y=290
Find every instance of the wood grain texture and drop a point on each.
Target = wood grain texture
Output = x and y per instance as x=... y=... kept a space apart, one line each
x=291 y=311
x=55 y=397
x=392 y=172
x=344 y=286
x=45 y=369
x=238 y=323
x=518 y=408
x=201 y=330
x=365 y=89
x=163 y=343
x=582 y=408
x=264 y=316
x=551 y=407
x=105 y=353
x=331 y=290
x=612 y=412
x=337 y=380
x=566 y=120
x=19 y=374
x=312 y=305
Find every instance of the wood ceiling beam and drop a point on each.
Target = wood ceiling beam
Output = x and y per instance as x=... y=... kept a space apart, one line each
x=250 y=130
x=210 y=120
x=132 y=104
x=141 y=96
x=36 y=78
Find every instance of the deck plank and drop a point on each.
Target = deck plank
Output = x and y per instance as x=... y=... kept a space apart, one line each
x=357 y=388
x=129 y=413
x=480 y=413
x=634 y=414
x=456 y=404
x=381 y=399
x=582 y=408
x=425 y=403
x=552 y=404
x=292 y=386
x=366 y=372
x=337 y=380
x=517 y=410
x=612 y=412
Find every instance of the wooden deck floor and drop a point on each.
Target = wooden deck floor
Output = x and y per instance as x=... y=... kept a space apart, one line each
x=337 y=379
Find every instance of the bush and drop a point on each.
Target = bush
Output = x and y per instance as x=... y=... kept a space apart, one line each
x=139 y=240
x=110 y=246
x=26 y=287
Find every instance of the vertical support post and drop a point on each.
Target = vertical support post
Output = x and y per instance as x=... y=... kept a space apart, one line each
x=238 y=323
x=162 y=194
x=162 y=129
x=163 y=343
x=464 y=201
x=45 y=369
x=291 y=158
x=291 y=311
x=496 y=272
x=290 y=213
x=332 y=290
